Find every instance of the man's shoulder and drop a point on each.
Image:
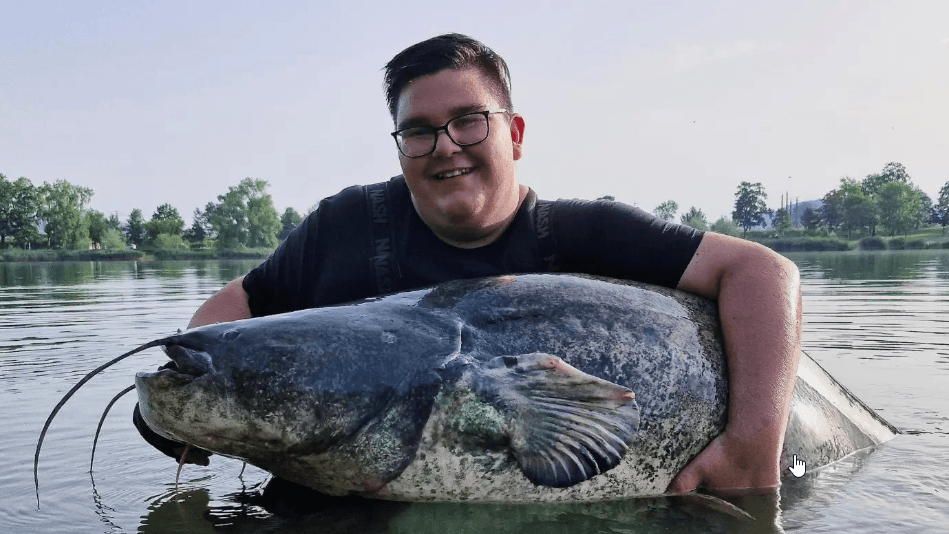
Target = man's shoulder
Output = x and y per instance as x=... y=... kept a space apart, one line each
x=593 y=210
x=358 y=196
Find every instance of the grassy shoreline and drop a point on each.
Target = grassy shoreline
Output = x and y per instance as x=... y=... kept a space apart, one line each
x=16 y=255
x=926 y=239
x=792 y=241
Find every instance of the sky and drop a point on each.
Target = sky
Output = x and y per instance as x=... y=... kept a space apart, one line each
x=173 y=102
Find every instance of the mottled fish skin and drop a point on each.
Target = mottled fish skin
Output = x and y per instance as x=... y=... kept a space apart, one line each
x=521 y=388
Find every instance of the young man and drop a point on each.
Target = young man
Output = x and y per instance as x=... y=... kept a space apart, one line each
x=458 y=211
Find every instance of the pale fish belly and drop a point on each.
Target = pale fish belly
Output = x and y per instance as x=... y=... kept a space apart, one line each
x=445 y=469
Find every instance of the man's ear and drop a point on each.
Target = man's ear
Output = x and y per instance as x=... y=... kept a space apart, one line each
x=517 y=135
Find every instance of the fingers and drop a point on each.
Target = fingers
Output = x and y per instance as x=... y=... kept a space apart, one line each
x=687 y=480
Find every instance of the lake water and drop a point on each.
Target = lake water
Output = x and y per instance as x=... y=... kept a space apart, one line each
x=877 y=322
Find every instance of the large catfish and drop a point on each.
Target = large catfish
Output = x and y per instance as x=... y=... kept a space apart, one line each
x=524 y=388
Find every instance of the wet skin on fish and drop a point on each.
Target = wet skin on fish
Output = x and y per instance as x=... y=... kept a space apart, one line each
x=523 y=388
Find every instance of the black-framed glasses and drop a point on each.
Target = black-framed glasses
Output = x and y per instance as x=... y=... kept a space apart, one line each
x=466 y=130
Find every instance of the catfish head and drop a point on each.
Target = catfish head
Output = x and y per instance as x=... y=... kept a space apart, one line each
x=328 y=386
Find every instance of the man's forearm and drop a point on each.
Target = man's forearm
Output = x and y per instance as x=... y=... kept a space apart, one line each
x=760 y=310
x=228 y=304
x=759 y=301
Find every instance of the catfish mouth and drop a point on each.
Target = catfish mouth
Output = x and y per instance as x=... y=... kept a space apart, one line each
x=186 y=364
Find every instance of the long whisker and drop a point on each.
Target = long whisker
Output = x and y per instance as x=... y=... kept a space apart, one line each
x=181 y=463
x=70 y=393
x=102 y=420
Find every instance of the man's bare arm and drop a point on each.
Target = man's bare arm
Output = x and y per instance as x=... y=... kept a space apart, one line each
x=759 y=301
x=228 y=304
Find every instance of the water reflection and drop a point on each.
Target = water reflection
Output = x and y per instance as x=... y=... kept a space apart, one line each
x=893 y=265
x=942 y=269
x=36 y=274
x=305 y=511
x=73 y=273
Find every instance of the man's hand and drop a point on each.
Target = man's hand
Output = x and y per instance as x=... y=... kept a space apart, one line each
x=725 y=464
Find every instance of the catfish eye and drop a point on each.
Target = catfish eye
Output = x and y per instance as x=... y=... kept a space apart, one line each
x=231 y=334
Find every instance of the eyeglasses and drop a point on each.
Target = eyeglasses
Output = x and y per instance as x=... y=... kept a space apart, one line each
x=466 y=130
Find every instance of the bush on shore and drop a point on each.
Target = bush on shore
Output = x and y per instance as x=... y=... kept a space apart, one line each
x=871 y=243
x=805 y=244
x=15 y=255
x=229 y=254
x=70 y=255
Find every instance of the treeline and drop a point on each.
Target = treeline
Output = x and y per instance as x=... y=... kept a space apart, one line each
x=56 y=216
x=887 y=200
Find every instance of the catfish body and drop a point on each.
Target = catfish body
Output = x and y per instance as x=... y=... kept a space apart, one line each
x=525 y=388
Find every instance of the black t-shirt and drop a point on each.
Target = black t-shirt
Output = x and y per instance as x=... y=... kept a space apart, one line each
x=369 y=240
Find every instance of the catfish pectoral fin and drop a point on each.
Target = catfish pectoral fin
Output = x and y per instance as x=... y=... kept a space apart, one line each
x=568 y=426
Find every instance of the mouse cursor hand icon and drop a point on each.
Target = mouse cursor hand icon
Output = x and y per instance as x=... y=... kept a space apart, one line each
x=797 y=469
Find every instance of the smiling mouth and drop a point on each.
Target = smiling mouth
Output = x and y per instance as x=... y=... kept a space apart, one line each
x=452 y=173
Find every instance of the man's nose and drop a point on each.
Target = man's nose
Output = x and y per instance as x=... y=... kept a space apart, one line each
x=444 y=145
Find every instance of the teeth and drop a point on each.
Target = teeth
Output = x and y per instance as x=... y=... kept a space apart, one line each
x=452 y=174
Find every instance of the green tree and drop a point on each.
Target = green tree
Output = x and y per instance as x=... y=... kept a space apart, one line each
x=114 y=222
x=941 y=208
x=810 y=220
x=6 y=206
x=245 y=216
x=781 y=221
x=829 y=212
x=135 y=228
x=19 y=203
x=113 y=239
x=898 y=205
x=750 y=205
x=725 y=225
x=61 y=208
x=195 y=235
x=892 y=172
x=170 y=242
x=289 y=220
x=165 y=220
x=667 y=210
x=695 y=218
x=263 y=219
x=200 y=230
x=98 y=225
x=857 y=210
x=607 y=197
x=924 y=215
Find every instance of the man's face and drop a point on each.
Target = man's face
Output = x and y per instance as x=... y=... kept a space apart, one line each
x=467 y=208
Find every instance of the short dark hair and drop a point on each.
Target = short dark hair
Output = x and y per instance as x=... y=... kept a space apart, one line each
x=448 y=51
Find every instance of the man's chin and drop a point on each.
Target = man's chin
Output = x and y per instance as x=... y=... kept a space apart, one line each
x=464 y=233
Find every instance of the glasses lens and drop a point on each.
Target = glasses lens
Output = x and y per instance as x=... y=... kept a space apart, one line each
x=469 y=129
x=416 y=142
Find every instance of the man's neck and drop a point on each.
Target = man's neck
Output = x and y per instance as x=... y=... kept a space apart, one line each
x=477 y=241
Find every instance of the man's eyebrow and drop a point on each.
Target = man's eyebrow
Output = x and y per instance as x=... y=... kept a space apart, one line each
x=457 y=111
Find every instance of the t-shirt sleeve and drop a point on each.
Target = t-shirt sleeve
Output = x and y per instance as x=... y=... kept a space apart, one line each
x=327 y=246
x=278 y=284
x=617 y=240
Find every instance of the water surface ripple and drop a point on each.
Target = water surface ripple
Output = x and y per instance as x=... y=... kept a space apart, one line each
x=875 y=321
